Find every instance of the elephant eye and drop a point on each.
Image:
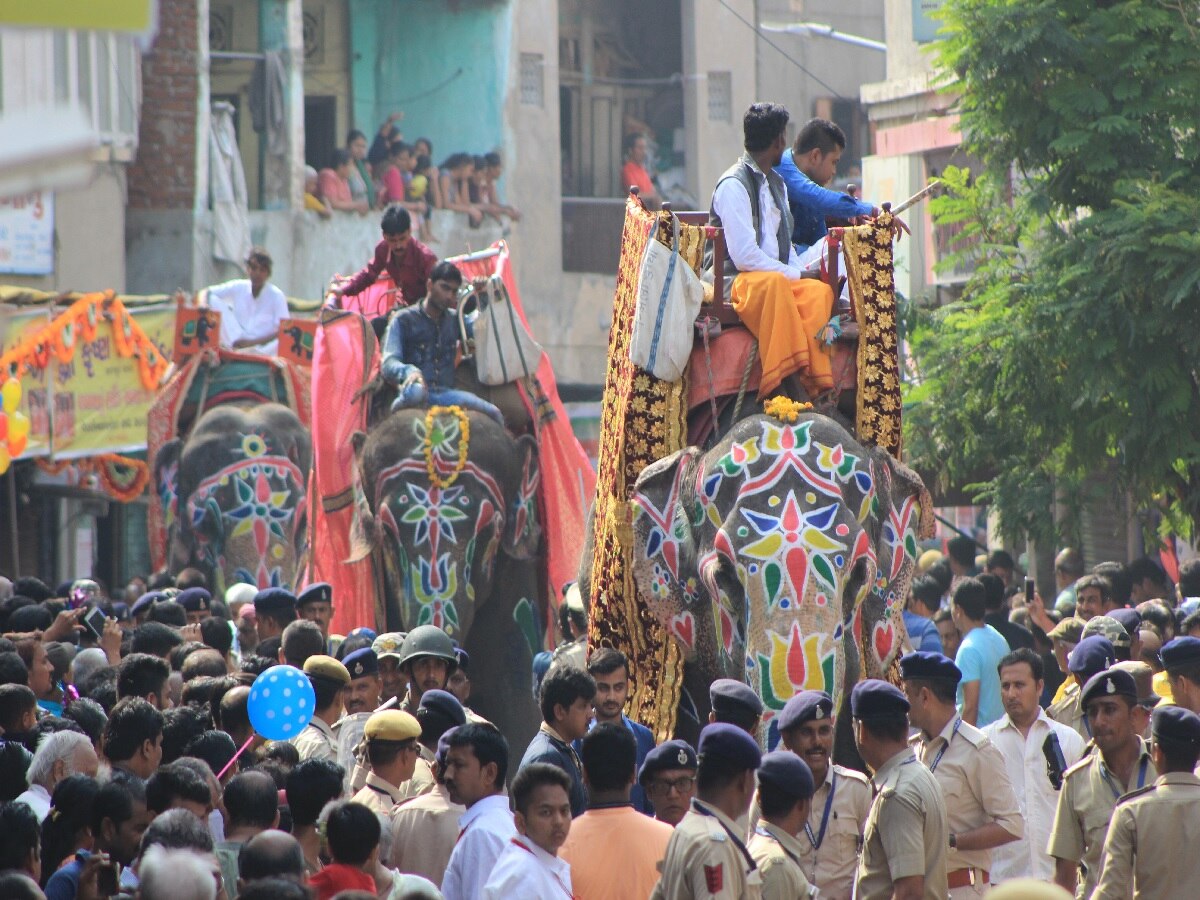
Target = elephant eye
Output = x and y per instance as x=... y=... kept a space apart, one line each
x=854 y=584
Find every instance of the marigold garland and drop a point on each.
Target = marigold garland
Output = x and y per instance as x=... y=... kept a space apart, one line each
x=121 y=477
x=464 y=445
x=785 y=409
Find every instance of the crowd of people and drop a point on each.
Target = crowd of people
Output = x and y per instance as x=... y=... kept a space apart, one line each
x=362 y=177
x=130 y=765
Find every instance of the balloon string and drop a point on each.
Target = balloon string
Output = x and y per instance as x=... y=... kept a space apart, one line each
x=242 y=750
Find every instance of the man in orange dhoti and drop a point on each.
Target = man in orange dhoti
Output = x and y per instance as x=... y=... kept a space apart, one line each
x=783 y=311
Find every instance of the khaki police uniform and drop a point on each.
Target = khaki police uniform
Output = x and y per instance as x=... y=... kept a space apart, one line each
x=380 y=796
x=706 y=858
x=906 y=832
x=422 y=781
x=348 y=733
x=1152 y=843
x=777 y=855
x=977 y=791
x=1085 y=807
x=1069 y=711
x=316 y=741
x=829 y=860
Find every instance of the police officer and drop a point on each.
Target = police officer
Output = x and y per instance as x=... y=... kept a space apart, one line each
x=1181 y=659
x=328 y=677
x=360 y=698
x=426 y=658
x=315 y=603
x=386 y=648
x=668 y=776
x=1149 y=843
x=392 y=752
x=785 y=790
x=274 y=610
x=735 y=702
x=1091 y=656
x=706 y=856
x=1093 y=785
x=438 y=713
x=981 y=807
x=197 y=603
x=906 y=837
x=833 y=833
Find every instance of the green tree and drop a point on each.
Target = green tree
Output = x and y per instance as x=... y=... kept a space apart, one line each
x=1074 y=347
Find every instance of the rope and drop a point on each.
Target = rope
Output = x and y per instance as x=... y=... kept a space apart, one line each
x=705 y=323
x=737 y=407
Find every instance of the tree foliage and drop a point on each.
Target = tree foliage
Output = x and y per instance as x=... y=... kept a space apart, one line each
x=1074 y=347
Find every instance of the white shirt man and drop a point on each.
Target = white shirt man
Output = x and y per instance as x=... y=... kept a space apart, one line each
x=251 y=308
x=1019 y=735
x=485 y=830
x=525 y=869
x=732 y=204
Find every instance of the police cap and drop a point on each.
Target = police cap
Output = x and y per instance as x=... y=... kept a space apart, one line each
x=1108 y=627
x=874 y=698
x=391 y=725
x=444 y=704
x=388 y=644
x=784 y=774
x=315 y=593
x=727 y=747
x=1091 y=655
x=361 y=663
x=734 y=698
x=1110 y=683
x=196 y=599
x=321 y=666
x=1180 y=653
x=143 y=603
x=1176 y=725
x=926 y=666
x=1069 y=630
x=673 y=754
x=274 y=602
x=805 y=707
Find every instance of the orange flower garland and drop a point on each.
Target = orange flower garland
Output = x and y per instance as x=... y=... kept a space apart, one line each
x=121 y=477
x=432 y=445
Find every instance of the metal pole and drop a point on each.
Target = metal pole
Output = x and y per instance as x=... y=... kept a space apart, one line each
x=12 y=517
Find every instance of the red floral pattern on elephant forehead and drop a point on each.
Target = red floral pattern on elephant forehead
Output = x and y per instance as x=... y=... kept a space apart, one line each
x=664 y=534
x=414 y=469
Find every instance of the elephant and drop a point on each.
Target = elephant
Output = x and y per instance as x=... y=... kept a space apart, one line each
x=454 y=525
x=781 y=557
x=234 y=495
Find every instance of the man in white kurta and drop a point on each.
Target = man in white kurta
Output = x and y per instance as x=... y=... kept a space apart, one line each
x=251 y=308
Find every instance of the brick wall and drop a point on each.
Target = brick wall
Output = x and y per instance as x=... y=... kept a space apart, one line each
x=164 y=174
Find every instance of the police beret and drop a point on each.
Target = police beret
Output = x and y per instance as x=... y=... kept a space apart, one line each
x=873 y=698
x=728 y=747
x=388 y=644
x=321 y=666
x=673 y=754
x=443 y=703
x=1108 y=627
x=929 y=666
x=1130 y=619
x=1180 y=652
x=1069 y=630
x=361 y=663
x=391 y=725
x=315 y=593
x=196 y=599
x=1174 y=723
x=804 y=707
x=368 y=633
x=784 y=774
x=143 y=603
x=273 y=601
x=1091 y=655
x=729 y=696
x=443 y=747
x=120 y=611
x=464 y=659
x=1110 y=683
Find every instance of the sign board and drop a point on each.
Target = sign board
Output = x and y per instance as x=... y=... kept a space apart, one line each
x=27 y=233
x=924 y=23
x=297 y=338
x=195 y=330
x=35 y=391
x=103 y=15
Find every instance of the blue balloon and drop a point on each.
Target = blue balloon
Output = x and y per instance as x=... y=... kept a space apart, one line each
x=281 y=703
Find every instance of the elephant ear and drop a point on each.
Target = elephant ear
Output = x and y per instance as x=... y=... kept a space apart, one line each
x=522 y=528
x=664 y=546
x=365 y=537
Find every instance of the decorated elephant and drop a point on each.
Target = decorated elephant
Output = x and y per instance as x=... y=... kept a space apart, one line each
x=455 y=528
x=233 y=495
x=781 y=557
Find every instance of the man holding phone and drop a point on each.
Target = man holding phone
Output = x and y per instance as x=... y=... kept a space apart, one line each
x=119 y=817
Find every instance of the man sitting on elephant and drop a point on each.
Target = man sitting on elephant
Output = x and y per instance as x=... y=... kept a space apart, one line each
x=419 y=349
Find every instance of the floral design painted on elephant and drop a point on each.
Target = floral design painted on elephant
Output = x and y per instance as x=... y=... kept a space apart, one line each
x=233 y=494
x=768 y=556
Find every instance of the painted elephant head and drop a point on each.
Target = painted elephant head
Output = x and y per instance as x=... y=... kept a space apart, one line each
x=448 y=490
x=781 y=557
x=234 y=495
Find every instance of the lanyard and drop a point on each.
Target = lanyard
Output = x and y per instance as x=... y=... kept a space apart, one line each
x=946 y=746
x=820 y=837
x=1112 y=785
x=697 y=808
x=553 y=875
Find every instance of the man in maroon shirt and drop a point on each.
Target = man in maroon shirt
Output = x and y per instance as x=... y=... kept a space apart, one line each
x=407 y=260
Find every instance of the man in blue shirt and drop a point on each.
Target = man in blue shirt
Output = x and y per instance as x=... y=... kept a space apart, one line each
x=610 y=669
x=978 y=656
x=566 y=703
x=923 y=601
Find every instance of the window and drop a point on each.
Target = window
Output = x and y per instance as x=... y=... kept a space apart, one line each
x=101 y=73
x=533 y=90
x=720 y=96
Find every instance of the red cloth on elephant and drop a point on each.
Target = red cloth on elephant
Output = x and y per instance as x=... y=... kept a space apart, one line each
x=346 y=357
x=568 y=482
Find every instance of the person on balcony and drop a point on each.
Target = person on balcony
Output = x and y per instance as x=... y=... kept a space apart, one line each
x=251 y=308
x=783 y=310
x=333 y=185
x=419 y=348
